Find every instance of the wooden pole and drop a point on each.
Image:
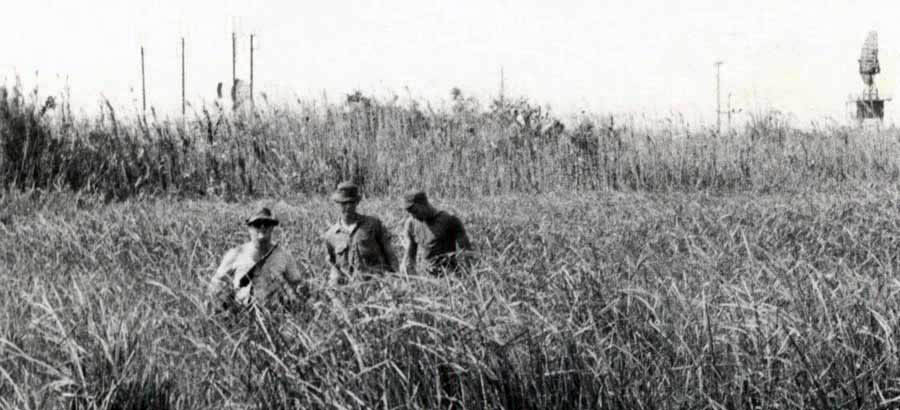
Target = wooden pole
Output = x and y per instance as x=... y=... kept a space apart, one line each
x=251 y=69
x=729 y=112
x=501 y=86
x=718 y=100
x=182 y=78
x=233 y=60
x=143 y=82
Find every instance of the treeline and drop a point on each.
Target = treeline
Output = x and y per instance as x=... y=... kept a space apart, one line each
x=465 y=148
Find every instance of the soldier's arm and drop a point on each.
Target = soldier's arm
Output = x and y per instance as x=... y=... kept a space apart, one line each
x=334 y=273
x=293 y=277
x=409 y=255
x=221 y=279
x=384 y=238
x=462 y=239
x=463 y=243
x=291 y=273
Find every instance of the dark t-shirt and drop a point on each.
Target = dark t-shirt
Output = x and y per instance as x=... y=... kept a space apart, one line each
x=438 y=238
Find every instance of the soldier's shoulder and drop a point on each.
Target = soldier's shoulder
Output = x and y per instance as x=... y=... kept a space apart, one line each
x=448 y=216
x=371 y=220
x=454 y=220
x=242 y=248
x=233 y=253
x=331 y=230
x=282 y=249
x=282 y=254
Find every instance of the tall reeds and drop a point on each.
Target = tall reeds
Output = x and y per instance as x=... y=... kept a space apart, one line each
x=465 y=149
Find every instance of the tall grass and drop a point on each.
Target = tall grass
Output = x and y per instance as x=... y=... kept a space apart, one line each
x=616 y=301
x=461 y=150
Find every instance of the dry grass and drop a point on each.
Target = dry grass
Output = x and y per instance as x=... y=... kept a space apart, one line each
x=461 y=150
x=671 y=300
x=752 y=292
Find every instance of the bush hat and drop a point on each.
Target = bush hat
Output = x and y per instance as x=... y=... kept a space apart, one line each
x=414 y=197
x=262 y=217
x=346 y=192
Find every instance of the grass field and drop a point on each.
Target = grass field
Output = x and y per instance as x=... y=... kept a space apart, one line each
x=600 y=300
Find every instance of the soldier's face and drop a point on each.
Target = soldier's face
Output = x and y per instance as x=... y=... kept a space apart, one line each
x=261 y=232
x=417 y=211
x=349 y=208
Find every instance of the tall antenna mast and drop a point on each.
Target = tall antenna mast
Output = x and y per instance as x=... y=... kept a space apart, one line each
x=718 y=65
x=143 y=83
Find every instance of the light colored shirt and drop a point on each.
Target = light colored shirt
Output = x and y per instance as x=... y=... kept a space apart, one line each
x=269 y=280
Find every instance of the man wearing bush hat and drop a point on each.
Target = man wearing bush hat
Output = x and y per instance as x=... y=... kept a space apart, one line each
x=256 y=272
x=441 y=236
x=357 y=244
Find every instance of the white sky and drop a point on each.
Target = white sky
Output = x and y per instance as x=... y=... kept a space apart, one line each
x=640 y=57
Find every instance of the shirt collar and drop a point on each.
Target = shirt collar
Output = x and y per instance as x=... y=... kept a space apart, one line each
x=347 y=228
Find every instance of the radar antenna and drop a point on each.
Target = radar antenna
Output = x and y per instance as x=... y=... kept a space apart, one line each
x=869 y=105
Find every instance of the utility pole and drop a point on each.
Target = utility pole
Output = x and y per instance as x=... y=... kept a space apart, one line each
x=501 y=86
x=233 y=60
x=251 y=69
x=143 y=83
x=731 y=111
x=182 y=78
x=718 y=65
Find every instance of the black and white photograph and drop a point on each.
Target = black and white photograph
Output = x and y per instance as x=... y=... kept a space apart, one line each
x=498 y=204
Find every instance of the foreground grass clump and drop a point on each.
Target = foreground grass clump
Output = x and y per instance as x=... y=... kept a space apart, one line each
x=604 y=301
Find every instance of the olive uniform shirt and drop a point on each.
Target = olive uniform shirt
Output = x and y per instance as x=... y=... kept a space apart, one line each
x=362 y=248
x=439 y=237
x=269 y=280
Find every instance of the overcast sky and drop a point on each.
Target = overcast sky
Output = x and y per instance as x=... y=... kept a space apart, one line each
x=640 y=57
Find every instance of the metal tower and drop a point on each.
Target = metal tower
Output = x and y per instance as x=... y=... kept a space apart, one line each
x=869 y=104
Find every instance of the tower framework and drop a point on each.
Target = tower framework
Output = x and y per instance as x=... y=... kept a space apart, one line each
x=869 y=104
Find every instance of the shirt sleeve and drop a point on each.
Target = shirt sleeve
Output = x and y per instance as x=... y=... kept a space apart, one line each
x=411 y=247
x=334 y=273
x=462 y=238
x=409 y=233
x=291 y=273
x=384 y=238
x=330 y=255
x=220 y=279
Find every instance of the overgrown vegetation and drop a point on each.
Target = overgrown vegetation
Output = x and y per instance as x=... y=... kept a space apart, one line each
x=615 y=301
x=646 y=289
x=460 y=150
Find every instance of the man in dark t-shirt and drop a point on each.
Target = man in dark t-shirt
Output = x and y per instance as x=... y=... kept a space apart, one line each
x=440 y=235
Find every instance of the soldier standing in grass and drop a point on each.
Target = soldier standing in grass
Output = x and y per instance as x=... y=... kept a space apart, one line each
x=440 y=234
x=258 y=272
x=357 y=245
